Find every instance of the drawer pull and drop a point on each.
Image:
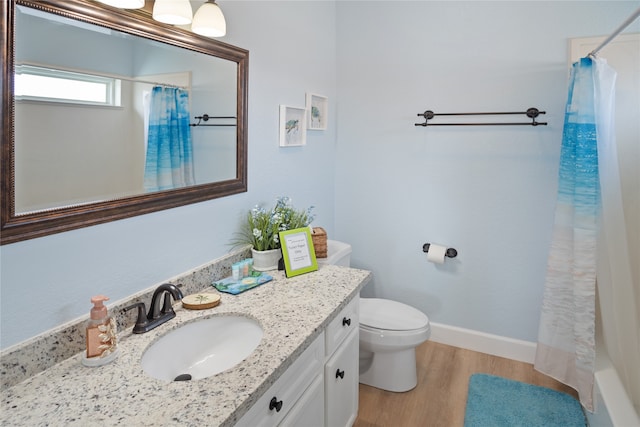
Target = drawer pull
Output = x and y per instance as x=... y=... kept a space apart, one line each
x=346 y=321
x=275 y=404
x=340 y=374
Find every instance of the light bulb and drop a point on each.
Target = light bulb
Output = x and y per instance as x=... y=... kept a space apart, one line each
x=209 y=20
x=175 y=12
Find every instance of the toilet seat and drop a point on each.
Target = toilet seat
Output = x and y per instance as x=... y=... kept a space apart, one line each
x=388 y=315
x=395 y=333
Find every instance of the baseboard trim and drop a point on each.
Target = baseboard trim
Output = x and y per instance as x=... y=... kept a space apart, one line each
x=496 y=345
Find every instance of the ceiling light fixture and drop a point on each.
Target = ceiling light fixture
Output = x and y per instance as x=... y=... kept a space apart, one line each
x=124 y=4
x=209 y=20
x=175 y=12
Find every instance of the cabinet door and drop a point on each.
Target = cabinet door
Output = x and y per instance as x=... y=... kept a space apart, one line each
x=341 y=384
x=281 y=397
x=309 y=409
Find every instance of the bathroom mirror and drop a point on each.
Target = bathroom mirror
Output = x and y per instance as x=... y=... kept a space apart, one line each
x=69 y=163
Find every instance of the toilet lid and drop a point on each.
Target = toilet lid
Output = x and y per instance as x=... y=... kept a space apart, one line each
x=390 y=315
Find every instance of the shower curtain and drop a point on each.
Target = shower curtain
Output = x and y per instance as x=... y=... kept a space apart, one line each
x=617 y=294
x=588 y=206
x=169 y=158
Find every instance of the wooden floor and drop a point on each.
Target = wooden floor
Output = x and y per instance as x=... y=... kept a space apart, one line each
x=440 y=397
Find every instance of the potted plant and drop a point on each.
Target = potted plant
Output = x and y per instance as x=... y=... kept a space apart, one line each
x=261 y=229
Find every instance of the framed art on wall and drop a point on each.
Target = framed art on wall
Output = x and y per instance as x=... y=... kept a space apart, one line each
x=293 y=126
x=297 y=251
x=317 y=107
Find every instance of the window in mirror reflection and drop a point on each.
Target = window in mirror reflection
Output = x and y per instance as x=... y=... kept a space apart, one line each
x=48 y=84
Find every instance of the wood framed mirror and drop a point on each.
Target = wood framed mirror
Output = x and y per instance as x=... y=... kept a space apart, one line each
x=216 y=76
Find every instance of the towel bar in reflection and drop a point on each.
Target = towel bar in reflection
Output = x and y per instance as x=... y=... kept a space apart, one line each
x=206 y=118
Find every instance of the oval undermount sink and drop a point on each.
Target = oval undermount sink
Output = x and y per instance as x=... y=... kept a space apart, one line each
x=202 y=348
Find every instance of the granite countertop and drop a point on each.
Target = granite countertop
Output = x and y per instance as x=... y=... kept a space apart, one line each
x=292 y=313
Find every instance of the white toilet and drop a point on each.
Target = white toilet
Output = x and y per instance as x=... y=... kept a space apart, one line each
x=390 y=331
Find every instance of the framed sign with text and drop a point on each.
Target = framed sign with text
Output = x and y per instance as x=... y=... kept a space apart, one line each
x=297 y=251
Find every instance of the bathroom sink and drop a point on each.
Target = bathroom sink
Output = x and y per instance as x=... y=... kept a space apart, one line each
x=202 y=348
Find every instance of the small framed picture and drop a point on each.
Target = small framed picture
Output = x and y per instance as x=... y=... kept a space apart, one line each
x=293 y=126
x=297 y=251
x=317 y=108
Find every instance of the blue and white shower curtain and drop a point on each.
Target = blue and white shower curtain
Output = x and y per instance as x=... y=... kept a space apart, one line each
x=566 y=336
x=169 y=158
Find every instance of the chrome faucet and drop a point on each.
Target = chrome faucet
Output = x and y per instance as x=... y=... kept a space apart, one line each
x=157 y=316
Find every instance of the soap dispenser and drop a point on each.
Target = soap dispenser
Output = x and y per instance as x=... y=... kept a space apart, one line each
x=100 y=335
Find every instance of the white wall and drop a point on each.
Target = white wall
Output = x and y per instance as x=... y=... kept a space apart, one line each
x=48 y=281
x=487 y=191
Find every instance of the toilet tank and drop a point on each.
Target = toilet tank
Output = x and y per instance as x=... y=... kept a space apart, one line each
x=338 y=253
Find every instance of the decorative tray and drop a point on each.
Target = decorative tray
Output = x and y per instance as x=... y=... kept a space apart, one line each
x=237 y=286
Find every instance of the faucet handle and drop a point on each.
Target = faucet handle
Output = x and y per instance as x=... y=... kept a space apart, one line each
x=167 y=307
x=141 y=321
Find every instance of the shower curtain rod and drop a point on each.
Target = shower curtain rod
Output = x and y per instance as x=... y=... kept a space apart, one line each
x=148 y=82
x=136 y=80
x=95 y=73
x=624 y=25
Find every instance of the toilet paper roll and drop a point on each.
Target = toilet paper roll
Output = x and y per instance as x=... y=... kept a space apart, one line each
x=436 y=253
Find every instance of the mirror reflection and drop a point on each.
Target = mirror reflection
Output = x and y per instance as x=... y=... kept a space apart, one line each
x=101 y=114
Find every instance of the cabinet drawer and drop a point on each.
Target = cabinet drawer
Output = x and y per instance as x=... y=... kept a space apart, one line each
x=286 y=391
x=346 y=321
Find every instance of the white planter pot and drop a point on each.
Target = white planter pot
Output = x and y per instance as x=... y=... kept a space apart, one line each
x=266 y=260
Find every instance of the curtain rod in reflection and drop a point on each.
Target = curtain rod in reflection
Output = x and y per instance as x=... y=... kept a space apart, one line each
x=101 y=74
x=207 y=117
x=159 y=84
x=532 y=113
x=147 y=82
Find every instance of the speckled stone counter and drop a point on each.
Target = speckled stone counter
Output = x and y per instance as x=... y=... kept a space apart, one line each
x=292 y=313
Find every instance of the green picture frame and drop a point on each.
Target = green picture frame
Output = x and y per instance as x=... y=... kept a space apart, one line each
x=297 y=251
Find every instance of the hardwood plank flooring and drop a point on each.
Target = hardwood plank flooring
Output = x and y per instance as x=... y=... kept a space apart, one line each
x=440 y=398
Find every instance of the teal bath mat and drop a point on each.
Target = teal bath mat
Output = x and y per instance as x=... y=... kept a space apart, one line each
x=499 y=402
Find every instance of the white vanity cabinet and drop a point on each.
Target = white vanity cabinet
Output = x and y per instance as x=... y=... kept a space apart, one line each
x=320 y=389
x=294 y=396
x=341 y=370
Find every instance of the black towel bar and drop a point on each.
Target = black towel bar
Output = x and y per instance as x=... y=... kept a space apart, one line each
x=532 y=113
x=207 y=117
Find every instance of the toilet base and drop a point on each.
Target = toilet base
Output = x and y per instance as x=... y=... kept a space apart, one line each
x=391 y=371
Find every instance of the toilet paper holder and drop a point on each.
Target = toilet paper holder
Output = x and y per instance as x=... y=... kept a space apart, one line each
x=450 y=253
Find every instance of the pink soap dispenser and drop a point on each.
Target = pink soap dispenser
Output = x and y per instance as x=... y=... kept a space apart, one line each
x=100 y=335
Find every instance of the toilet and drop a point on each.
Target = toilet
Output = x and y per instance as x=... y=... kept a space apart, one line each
x=390 y=331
